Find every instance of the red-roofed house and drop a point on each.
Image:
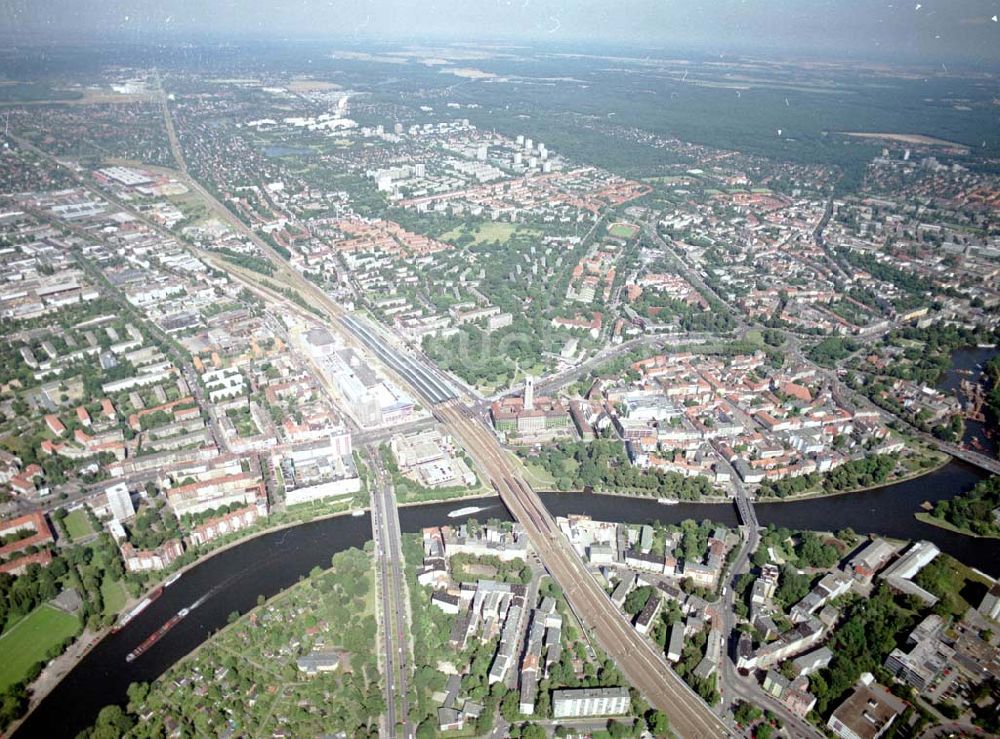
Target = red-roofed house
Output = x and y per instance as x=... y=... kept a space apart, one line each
x=799 y=392
x=19 y=565
x=39 y=534
x=55 y=425
x=108 y=409
x=83 y=416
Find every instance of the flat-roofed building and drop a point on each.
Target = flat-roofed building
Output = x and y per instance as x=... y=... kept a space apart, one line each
x=144 y=560
x=810 y=662
x=990 y=606
x=541 y=414
x=867 y=713
x=590 y=702
x=120 y=502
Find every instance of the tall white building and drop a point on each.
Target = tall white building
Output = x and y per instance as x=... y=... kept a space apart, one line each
x=120 y=502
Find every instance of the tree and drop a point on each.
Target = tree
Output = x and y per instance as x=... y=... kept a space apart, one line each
x=112 y=723
x=658 y=723
x=427 y=729
x=861 y=644
x=510 y=706
x=746 y=713
x=636 y=600
x=792 y=587
x=13 y=702
x=814 y=552
x=137 y=693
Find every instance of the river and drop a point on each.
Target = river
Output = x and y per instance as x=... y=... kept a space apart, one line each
x=272 y=562
x=967 y=364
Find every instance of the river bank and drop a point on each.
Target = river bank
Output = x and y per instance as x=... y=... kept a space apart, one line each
x=56 y=670
x=230 y=578
x=967 y=364
x=916 y=475
x=793 y=498
x=931 y=520
x=271 y=561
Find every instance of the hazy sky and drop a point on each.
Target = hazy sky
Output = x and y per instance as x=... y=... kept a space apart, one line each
x=930 y=29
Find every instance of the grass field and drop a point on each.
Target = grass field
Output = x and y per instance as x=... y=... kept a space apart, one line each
x=932 y=520
x=426 y=495
x=30 y=639
x=113 y=594
x=487 y=232
x=622 y=231
x=191 y=204
x=956 y=583
x=669 y=180
x=537 y=476
x=77 y=524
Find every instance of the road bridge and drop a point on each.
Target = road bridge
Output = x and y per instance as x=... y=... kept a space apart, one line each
x=744 y=506
x=641 y=662
x=967 y=455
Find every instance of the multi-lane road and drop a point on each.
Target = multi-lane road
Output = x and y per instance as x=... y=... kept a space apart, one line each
x=392 y=601
x=641 y=663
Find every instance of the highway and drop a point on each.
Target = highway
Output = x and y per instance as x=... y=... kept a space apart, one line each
x=794 y=347
x=639 y=660
x=731 y=685
x=392 y=599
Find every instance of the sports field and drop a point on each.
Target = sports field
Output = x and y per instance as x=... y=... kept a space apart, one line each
x=30 y=638
x=622 y=231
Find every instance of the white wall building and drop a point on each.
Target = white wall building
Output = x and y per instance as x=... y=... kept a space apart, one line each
x=590 y=702
x=120 y=502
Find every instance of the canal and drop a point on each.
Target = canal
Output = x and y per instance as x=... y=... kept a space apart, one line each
x=234 y=578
